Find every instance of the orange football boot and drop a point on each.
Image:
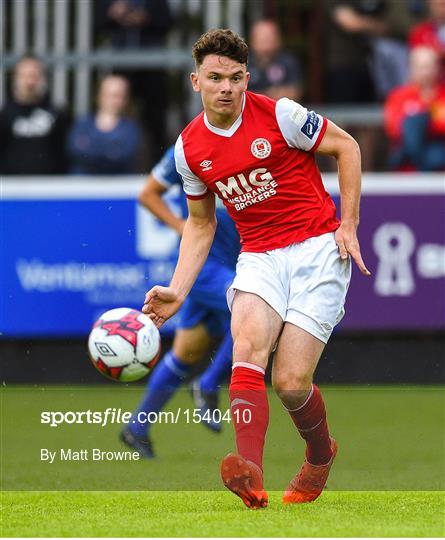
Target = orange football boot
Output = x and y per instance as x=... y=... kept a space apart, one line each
x=245 y=479
x=310 y=481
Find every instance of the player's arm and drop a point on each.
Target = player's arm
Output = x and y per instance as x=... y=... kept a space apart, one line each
x=163 y=302
x=151 y=198
x=339 y=144
x=196 y=241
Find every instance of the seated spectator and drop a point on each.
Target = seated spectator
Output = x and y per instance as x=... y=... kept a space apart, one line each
x=415 y=116
x=32 y=132
x=273 y=71
x=107 y=142
x=431 y=33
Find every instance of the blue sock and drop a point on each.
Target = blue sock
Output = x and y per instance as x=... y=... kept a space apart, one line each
x=163 y=383
x=219 y=368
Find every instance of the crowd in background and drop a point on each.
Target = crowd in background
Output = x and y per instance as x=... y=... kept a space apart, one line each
x=382 y=51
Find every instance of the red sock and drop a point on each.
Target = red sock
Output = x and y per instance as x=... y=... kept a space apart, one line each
x=310 y=420
x=250 y=410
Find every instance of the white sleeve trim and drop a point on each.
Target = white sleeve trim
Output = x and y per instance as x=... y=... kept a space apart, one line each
x=191 y=183
x=300 y=128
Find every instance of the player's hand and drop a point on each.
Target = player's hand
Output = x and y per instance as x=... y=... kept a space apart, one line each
x=347 y=242
x=161 y=303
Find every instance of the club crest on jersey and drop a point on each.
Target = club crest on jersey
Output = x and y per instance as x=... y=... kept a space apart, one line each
x=261 y=148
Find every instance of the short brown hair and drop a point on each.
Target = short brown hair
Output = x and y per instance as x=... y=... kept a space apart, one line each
x=222 y=42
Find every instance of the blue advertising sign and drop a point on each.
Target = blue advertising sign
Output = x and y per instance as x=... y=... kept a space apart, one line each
x=72 y=249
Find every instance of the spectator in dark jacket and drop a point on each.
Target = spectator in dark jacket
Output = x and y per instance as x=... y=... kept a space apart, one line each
x=32 y=132
x=366 y=50
x=273 y=71
x=107 y=142
x=133 y=25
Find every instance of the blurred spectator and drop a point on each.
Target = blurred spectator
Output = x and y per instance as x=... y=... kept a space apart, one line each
x=367 y=54
x=348 y=49
x=273 y=71
x=431 y=33
x=32 y=132
x=415 y=116
x=107 y=142
x=390 y=49
x=136 y=24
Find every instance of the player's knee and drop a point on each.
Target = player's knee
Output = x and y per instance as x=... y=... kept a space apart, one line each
x=190 y=345
x=292 y=399
x=189 y=359
x=292 y=390
x=188 y=355
x=246 y=350
x=242 y=349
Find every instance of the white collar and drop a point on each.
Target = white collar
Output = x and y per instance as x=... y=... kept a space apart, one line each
x=231 y=130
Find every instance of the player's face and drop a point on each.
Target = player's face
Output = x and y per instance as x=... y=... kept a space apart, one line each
x=222 y=82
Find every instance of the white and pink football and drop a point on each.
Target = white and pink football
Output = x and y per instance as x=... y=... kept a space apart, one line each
x=124 y=344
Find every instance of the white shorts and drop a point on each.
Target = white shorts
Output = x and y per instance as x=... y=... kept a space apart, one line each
x=305 y=283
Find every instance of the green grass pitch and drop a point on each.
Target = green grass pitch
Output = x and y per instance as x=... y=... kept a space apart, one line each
x=164 y=514
x=388 y=479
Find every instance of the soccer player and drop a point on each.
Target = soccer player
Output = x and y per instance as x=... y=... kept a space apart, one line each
x=203 y=317
x=257 y=156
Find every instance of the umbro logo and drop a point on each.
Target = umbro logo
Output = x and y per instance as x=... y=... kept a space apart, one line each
x=206 y=165
x=239 y=401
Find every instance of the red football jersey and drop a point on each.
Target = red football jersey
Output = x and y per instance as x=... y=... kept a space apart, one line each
x=263 y=169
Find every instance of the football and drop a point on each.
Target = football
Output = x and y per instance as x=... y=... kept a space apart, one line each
x=124 y=344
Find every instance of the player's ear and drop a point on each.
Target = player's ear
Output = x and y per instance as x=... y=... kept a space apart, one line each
x=247 y=79
x=195 y=82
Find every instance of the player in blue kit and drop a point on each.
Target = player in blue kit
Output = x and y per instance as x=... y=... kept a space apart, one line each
x=203 y=317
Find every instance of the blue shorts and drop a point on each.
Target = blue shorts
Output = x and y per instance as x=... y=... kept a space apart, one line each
x=206 y=302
